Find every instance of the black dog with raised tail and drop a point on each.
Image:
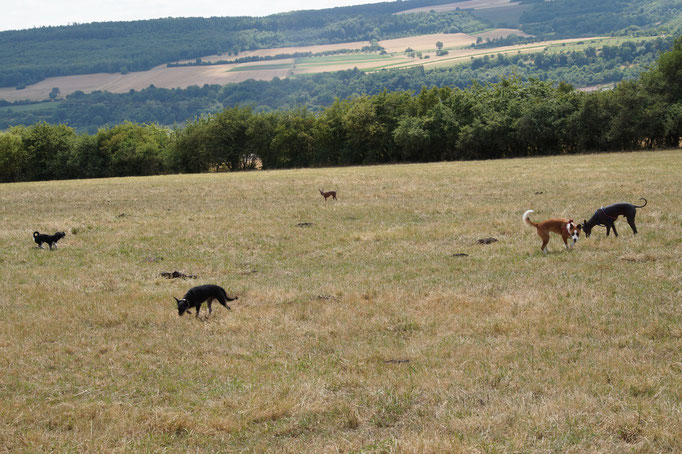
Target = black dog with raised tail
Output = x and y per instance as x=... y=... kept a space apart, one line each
x=51 y=240
x=608 y=214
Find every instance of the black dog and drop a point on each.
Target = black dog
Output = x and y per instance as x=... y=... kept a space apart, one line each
x=197 y=295
x=606 y=216
x=51 y=240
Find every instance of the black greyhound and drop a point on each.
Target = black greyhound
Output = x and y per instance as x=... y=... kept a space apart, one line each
x=606 y=215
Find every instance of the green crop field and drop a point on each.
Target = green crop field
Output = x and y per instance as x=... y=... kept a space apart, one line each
x=38 y=107
x=262 y=67
x=345 y=58
x=374 y=323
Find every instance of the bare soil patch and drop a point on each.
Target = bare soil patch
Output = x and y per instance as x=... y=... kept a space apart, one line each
x=161 y=76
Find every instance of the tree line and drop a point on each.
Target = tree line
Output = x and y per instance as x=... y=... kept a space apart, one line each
x=506 y=119
x=564 y=18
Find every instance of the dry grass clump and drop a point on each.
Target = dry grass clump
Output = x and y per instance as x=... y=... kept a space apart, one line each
x=361 y=332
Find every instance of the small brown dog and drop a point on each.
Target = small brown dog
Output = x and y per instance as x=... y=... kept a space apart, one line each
x=564 y=227
x=331 y=194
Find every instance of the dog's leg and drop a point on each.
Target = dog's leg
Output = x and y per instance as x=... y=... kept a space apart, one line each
x=209 y=302
x=613 y=226
x=198 y=308
x=545 y=240
x=631 y=221
x=566 y=242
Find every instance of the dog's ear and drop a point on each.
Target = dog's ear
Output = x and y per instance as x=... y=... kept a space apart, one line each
x=177 y=300
x=579 y=227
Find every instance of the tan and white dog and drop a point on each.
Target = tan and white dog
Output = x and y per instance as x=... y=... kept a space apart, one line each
x=564 y=227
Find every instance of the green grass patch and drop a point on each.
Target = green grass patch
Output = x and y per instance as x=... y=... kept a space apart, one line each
x=261 y=67
x=25 y=108
x=335 y=59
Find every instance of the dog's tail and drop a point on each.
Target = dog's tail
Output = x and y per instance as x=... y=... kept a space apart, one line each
x=35 y=234
x=528 y=221
x=642 y=205
x=227 y=297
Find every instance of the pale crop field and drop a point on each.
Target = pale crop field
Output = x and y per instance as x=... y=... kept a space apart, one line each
x=362 y=331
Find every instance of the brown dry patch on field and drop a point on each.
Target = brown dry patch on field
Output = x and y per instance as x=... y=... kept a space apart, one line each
x=425 y=42
x=449 y=40
x=470 y=4
x=161 y=76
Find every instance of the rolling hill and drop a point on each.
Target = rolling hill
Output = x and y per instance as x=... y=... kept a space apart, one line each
x=124 y=58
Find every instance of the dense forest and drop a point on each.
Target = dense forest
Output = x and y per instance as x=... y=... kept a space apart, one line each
x=562 y=18
x=89 y=112
x=506 y=119
x=28 y=56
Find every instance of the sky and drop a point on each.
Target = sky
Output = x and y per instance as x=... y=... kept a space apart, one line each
x=20 y=14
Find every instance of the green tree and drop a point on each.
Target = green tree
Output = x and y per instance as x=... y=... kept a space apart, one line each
x=412 y=138
x=133 y=149
x=13 y=157
x=48 y=148
x=293 y=142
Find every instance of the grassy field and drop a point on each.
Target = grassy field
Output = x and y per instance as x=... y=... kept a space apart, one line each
x=261 y=67
x=362 y=332
x=38 y=107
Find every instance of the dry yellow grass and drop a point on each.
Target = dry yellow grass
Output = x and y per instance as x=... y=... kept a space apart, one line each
x=360 y=333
